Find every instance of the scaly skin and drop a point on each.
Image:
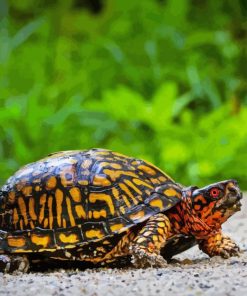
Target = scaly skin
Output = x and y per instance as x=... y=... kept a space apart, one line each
x=149 y=241
x=200 y=215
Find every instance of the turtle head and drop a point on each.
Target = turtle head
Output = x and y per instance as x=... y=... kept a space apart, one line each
x=215 y=203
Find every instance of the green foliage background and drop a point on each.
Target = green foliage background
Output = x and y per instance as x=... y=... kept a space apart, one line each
x=160 y=80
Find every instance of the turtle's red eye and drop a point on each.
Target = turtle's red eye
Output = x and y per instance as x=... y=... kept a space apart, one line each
x=214 y=192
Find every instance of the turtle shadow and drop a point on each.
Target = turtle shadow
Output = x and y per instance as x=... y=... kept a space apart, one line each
x=124 y=263
x=49 y=265
x=53 y=265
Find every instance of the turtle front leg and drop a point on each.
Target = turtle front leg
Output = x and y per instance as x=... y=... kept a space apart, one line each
x=11 y=263
x=219 y=245
x=146 y=246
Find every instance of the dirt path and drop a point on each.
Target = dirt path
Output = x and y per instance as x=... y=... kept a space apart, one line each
x=200 y=276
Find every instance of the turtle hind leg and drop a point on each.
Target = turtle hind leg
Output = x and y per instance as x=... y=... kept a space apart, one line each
x=11 y=263
x=176 y=245
x=147 y=244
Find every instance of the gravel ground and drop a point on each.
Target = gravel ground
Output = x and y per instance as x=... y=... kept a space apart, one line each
x=195 y=274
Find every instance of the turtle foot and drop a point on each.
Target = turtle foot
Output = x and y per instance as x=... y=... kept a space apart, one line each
x=9 y=264
x=144 y=259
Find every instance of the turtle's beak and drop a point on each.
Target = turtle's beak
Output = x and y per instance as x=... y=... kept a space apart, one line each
x=233 y=196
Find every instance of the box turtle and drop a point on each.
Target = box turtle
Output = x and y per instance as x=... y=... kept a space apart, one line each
x=98 y=205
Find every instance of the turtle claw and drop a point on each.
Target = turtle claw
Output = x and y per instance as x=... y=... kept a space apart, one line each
x=144 y=259
x=9 y=264
x=22 y=263
x=229 y=252
x=222 y=246
x=229 y=249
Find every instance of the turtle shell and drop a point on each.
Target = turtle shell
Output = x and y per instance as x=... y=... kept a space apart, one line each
x=72 y=198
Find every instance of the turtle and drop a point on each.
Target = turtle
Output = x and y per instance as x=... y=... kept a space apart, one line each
x=98 y=206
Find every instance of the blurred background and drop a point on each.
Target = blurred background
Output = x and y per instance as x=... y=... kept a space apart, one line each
x=162 y=80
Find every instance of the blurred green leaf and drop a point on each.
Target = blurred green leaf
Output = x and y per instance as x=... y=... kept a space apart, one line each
x=160 y=80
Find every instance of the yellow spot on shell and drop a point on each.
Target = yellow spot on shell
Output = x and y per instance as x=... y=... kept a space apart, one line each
x=172 y=192
x=116 y=165
x=42 y=210
x=76 y=194
x=131 y=185
x=156 y=203
x=23 y=210
x=128 y=192
x=21 y=224
x=50 y=200
x=45 y=223
x=16 y=242
x=11 y=197
x=67 y=170
x=51 y=183
x=32 y=209
x=59 y=201
x=137 y=216
x=105 y=163
x=116 y=227
x=140 y=183
x=111 y=164
x=98 y=214
x=125 y=199
x=115 y=193
x=83 y=182
x=40 y=240
x=80 y=211
x=94 y=233
x=103 y=152
x=155 y=181
x=101 y=181
x=101 y=249
x=146 y=169
x=105 y=242
x=71 y=238
x=27 y=190
x=116 y=174
x=162 y=178
x=21 y=251
x=31 y=224
x=15 y=216
x=93 y=197
x=69 y=209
